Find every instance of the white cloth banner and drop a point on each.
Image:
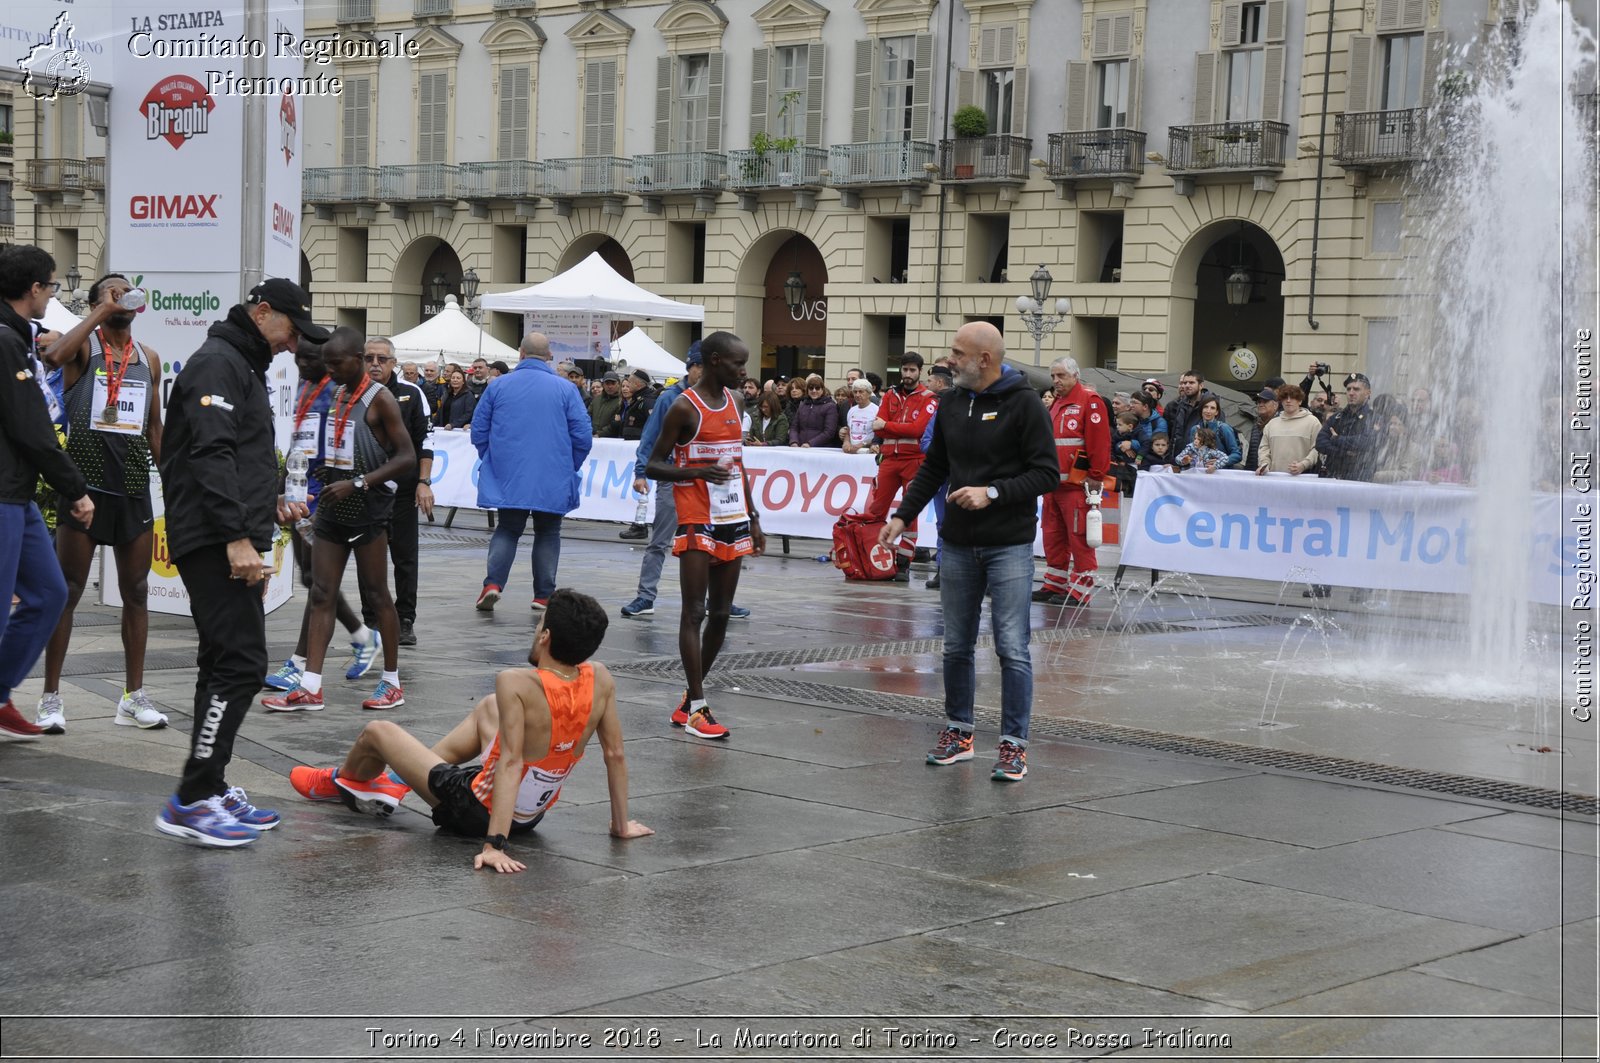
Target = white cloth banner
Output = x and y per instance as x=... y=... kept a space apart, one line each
x=797 y=491
x=1412 y=537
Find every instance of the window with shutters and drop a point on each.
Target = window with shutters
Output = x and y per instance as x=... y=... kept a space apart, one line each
x=5 y=118
x=69 y=133
x=897 y=76
x=694 y=101
x=516 y=84
x=599 y=106
x=791 y=66
x=356 y=120
x=433 y=117
x=1247 y=67
x=8 y=208
x=999 y=88
x=1402 y=72
x=1111 y=112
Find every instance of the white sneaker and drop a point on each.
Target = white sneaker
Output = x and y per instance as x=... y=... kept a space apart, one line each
x=136 y=710
x=52 y=714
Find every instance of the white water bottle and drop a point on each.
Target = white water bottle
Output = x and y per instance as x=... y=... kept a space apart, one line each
x=1093 y=532
x=296 y=485
x=641 y=511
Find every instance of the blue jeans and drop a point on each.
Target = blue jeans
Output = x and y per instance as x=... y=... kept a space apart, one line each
x=546 y=548
x=1005 y=574
x=28 y=569
x=662 y=530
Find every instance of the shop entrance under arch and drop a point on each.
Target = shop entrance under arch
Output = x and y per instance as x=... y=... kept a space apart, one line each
x=427 y=270
x=1227 y=305
x=782 y=310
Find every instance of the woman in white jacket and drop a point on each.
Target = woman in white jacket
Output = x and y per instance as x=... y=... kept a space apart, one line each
x=1289 y=440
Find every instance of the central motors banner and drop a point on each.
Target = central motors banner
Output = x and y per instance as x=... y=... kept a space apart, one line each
x=1411 y=537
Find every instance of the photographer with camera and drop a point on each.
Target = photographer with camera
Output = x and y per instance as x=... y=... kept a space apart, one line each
x=1329 y=404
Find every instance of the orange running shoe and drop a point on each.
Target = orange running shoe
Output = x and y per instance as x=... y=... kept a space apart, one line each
x=375 y=797
x=296 y=700
x=701 y=725
x=680 y=715
x=314 y=784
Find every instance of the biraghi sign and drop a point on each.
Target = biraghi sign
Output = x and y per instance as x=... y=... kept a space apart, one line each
x=177 y=109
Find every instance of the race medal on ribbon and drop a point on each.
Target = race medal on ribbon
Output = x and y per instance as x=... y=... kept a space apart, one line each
x=109 y=414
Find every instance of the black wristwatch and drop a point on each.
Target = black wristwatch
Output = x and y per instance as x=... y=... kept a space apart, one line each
x=497 y=841
x=426 y=481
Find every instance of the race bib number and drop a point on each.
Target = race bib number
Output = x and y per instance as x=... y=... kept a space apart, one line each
x=342 y=453
x=727 y=500
x=307 y=438
x=133 y=403
x=537 y=790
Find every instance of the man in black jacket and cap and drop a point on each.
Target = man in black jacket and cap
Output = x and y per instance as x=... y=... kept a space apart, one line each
x=219 y=475
x=28 y=447
x=993 y=443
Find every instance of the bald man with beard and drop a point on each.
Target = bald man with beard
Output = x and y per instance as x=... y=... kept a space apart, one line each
x=993 y=443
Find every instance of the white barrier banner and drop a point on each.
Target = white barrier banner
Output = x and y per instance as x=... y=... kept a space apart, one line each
x=166 y=592
x=1413 y=537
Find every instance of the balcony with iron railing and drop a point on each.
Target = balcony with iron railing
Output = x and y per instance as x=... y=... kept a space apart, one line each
x=432 y=8
x=5 y=149
x=508 y=179
x=999 y=158
x=888 y=162
x=1095 y=153
x=754 y=170
x=587 y=177
x=1223 y=146
x=421 y=182
x=65 y=176
x=354 y=12
x=339 y=184
x=679 y=172
x=1378 y=139
x=516 y=5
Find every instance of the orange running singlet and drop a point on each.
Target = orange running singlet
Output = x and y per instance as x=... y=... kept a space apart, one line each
x=571 y=703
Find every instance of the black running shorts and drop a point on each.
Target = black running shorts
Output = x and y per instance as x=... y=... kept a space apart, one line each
x=459 y=811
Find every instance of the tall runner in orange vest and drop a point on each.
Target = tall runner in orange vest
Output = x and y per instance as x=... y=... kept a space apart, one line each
x=531 y=732
x=701 y=453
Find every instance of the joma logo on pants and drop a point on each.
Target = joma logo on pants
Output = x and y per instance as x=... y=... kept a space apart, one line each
x=208 y=732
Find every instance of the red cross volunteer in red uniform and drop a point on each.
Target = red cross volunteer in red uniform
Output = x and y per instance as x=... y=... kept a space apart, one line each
x=903 y=415
x=1082 y=427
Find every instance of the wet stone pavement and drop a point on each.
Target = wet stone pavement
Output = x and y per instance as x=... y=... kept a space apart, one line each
x=814 y=890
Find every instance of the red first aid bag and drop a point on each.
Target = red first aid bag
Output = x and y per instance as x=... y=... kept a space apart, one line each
x=856 y=550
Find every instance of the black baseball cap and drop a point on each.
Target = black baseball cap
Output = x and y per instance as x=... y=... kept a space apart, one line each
x=291 y=300
x=1267 y=395
x=944 y=371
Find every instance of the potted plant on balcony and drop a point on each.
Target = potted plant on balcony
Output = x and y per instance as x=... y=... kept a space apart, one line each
x=5 y=141
x=969 y=123
x=763 y=144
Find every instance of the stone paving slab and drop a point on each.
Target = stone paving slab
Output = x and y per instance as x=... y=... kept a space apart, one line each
x=1236 y=943
x=1451 y=876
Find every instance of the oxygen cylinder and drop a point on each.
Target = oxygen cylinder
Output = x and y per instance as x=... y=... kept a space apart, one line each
x=1092 y=528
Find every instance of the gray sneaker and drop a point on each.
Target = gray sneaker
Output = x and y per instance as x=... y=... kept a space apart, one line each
x=136 y=710
x=52 y=716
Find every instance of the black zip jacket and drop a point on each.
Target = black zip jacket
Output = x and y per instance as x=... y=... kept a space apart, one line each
x=219 y=470
x=998 y=437
x=28 y=443
x=415 y=418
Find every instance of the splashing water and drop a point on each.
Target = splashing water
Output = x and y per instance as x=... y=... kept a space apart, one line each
x=1502 y=225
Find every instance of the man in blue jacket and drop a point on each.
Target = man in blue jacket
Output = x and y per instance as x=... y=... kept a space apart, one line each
x=665 y=524
x=533 y=436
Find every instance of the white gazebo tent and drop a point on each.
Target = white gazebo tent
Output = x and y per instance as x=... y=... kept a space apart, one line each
x=452 y=334
x=593 y=287
x=635 y=350
x=58 y=318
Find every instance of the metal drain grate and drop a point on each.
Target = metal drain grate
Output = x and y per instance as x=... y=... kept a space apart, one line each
x=645 y=667
x=1087 y=730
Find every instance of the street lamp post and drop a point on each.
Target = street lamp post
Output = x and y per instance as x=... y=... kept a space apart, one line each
x=76 y=302
x=469 y=295
x=1031 y=307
